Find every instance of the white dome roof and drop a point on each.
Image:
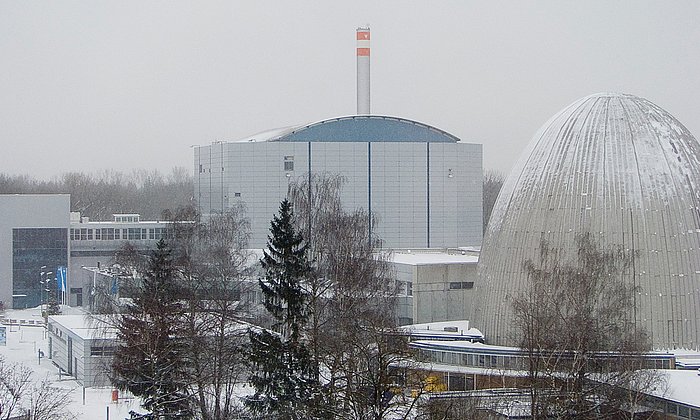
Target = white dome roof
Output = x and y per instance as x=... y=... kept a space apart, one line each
x=626 y=171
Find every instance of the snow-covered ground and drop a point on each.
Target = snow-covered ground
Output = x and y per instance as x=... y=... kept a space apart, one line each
x=23 y=345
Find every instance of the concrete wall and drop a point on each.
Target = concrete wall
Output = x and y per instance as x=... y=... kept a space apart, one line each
x=433 y=298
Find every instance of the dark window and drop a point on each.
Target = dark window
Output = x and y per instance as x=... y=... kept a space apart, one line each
x=459 y=285
x=102 y=351
x=289 y=163
x=33 y=248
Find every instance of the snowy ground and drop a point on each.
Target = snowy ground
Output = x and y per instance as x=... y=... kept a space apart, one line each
x=23 y=344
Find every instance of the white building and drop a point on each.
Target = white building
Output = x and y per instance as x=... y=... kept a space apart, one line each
x=438 y=283
x=424 y=185
x=82 y=346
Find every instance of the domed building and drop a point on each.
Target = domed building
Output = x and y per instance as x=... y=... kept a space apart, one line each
x=624 y=170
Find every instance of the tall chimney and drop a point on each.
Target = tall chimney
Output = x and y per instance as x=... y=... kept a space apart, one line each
x=363 y=70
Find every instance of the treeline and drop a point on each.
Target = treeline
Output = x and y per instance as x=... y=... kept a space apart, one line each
x=99 y=195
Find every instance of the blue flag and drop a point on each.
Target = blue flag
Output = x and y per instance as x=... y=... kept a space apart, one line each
x=61 y=279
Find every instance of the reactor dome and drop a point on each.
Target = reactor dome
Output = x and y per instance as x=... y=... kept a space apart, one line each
x=624 y=170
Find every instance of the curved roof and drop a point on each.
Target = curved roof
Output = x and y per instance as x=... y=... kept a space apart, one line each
x=362 y=128
x=625 y=170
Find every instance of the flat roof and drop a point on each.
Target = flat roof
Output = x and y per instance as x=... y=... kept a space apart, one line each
x=682 y=386
x=85 y=326
x=430 y=258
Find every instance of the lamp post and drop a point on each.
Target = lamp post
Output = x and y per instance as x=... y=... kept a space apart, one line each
x=42 y=277
x=45 y=280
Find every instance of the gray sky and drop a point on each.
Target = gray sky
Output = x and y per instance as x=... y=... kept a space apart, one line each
x=92 y=85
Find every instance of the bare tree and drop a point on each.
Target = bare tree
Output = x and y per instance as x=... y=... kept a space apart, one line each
x=219 y=277
x=492 y=183
x=20 y=395
x=99 y=195
x=585 y=354
x=352 y=329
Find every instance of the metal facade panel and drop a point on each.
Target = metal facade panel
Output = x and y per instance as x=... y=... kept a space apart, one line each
x=623 y=169
x=394 y=188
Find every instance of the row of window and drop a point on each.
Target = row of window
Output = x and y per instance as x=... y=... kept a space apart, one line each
x=127 y=218
x=473 y=360
x=459 y=285
x=102 y=350
x=111 y=234
x=288 y=165
x=517 y=362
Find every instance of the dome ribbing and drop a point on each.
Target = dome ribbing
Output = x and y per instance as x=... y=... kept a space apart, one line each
x=626 y=171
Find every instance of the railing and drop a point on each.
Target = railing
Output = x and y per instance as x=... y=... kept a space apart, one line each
x=22 y=322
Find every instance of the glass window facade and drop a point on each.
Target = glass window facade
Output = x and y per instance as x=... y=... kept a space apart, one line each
x=33 y=248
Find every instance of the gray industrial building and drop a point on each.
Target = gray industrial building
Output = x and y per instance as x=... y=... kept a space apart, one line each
x=82 y=347
x=39 y=236
x=624 y=170
x=422 y=184
x=438 y=284
x=33 y=240
x=95 y=243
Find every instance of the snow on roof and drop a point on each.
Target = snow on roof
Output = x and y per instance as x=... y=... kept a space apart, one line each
x=428 y=258
x=446 y=329
x=269 y=135
x=370 y=128
x=467 y=345
x=85 y=326
x=683 y=386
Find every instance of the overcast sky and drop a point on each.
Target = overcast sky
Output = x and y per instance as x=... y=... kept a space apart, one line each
x=92 y=85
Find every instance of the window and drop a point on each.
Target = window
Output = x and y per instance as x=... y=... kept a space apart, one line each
x=102 y=350
x=459 y=285
x=289 y=163
x=107 y=234
x=696 y=414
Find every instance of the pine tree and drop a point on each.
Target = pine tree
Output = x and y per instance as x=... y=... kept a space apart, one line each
x=283 y=375
x=149 y=361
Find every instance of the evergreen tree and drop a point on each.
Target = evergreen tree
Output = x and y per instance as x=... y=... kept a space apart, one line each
x=283 y=373
x=149 y=361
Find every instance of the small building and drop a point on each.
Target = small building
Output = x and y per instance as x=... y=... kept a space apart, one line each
x=82 y=346
x=438 y=282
